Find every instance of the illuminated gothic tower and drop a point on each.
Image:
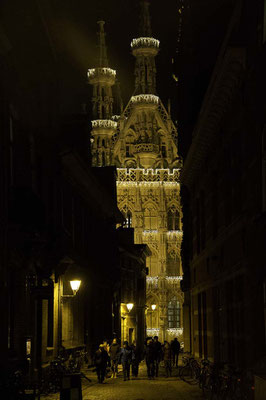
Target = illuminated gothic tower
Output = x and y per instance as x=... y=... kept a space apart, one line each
x=103 y=127
x=144 y=150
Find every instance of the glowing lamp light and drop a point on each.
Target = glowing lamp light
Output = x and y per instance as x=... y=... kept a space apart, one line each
x=153 y=307
x=75 y=286
x=130 y=306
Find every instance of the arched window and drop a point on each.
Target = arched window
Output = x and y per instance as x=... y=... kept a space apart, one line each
x=152 y=265
x=129 y=219
x=173 y=264
x=150 y=219
x=174 y=313
x=152 y=315
x=103 y=158
x=173 y=223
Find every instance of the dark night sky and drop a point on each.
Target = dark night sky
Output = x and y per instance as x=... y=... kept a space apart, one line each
x=73 y=27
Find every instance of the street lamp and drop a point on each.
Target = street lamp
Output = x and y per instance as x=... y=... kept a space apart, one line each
x=130 y=306
x=75 y=284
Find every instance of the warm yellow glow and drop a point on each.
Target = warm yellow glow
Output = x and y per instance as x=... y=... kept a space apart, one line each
x=130 y=306
x=145 y=42
x=104 y=123
x=92 y=72
x=75 y=285
x=153 y=307
x=145 y=98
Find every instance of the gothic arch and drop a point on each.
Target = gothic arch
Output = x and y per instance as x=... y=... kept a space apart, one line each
x=152 y=317
x=150 y=204
x=130 y=136
x=175 y=294
x=126 y=206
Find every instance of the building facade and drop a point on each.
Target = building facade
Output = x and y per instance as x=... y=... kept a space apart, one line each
x=142 y=144
x=224 y=204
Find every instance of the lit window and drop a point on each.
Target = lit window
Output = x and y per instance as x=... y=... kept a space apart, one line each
x=174 y=313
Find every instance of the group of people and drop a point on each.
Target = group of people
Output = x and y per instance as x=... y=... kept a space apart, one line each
x=130 y=357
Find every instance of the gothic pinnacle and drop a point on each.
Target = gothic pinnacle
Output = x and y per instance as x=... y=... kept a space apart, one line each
x=145 y=20
x=102 y=54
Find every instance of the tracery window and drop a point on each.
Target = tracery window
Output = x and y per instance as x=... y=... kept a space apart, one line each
x=174 y=313
x=173 y=264
x=173 y=220
x=128 y=217
x=152 y=265
x=150 y=219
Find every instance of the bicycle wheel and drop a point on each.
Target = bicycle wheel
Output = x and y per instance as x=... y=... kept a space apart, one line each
x=184 y=372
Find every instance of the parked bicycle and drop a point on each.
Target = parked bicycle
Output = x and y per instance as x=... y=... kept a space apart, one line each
x=190 y=371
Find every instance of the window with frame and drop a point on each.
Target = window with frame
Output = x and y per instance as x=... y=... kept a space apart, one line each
x=150 y=219
x=174 y=314
x=152 y=265
x=173 y=219
x=173 y=264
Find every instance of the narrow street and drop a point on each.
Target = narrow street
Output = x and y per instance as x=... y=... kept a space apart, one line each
x=140 y=388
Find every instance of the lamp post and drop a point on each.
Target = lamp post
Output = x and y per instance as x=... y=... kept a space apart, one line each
x=75 y=285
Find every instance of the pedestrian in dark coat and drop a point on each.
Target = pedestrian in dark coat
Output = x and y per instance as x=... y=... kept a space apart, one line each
x=100 y=362
x=175 y=346
x=114 y=353
x=150 y=353
x=158 y=354
x=125 y=359
x=136 y=358
x=167 y=358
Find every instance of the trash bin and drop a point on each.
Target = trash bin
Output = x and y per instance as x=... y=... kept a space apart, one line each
x=71 y=387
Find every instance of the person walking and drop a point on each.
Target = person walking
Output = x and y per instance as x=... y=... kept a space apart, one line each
x=167 y=358
x=150 y=358
x=175 y=346
x=158 y=354
x=114 y=352
x=100 y=362
x=136 y=358
x=125 y=359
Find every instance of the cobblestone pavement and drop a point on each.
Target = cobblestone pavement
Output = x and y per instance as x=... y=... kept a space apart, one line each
x=140 y=388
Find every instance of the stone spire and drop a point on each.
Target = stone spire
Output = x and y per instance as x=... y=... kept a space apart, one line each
x=102 y=78
x=145 y=48
x=102 y=52
x=145 y=19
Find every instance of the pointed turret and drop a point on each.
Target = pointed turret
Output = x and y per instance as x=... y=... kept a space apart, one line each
x=102 y=78
x=102 y=54
x=145 y=48
x=145 y=20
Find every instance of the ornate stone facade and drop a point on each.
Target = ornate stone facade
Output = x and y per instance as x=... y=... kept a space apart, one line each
x=143 y=147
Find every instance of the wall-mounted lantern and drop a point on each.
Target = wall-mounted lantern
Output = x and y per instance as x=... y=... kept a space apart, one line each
x=75 y=285
x=130 y=306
